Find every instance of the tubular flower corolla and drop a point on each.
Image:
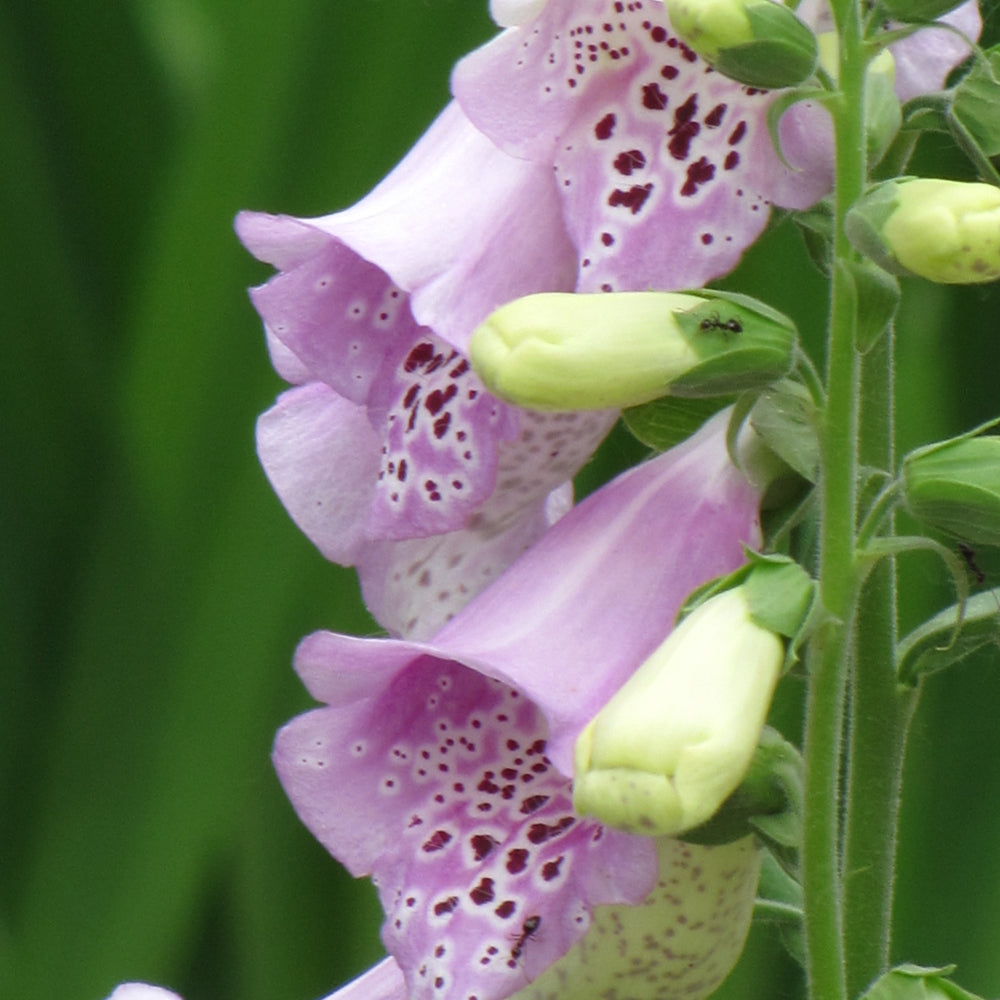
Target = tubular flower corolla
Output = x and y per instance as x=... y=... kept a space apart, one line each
x=665 y=168
x=443 y=768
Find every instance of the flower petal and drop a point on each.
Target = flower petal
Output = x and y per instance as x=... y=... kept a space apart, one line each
x=461 y=226
x=321 y=455
x=598 y=592
x=665 y=167
x=680 y=943
x=381 y=982
x=436 y=781
x=924 y=60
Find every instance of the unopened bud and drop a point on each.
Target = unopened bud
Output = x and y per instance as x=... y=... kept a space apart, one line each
x=756 y=42
x=955 y=487
x=677 y=738
x=561 y=351
x=945 y=231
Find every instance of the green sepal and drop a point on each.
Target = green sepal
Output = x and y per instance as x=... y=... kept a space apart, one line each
x=972 y=113
x=784 y=416
x=816 y=226
x=949 y=637
x=669 y=420
x=876 y=299
x=768 y=802
x=954 y=485
x=927 y=113
x=780 y=904
x=782 y=54
x=742 y=342
x=916 y=11
x=915 y=982
x=783 y=598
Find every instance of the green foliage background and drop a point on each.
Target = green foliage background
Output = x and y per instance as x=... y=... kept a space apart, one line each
x=152 y=587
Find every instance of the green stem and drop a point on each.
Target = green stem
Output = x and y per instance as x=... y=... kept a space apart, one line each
x=829 y=653
x=879 y=720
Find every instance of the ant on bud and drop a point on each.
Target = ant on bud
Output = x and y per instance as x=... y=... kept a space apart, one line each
x=968 y=554
x=528 y=930
x=727 y=326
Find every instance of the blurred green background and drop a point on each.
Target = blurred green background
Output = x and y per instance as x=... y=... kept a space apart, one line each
x=152 y=587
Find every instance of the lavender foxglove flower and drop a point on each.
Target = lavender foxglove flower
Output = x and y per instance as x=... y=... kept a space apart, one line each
x=443 y=768
x=389 y=453
x=665 y=167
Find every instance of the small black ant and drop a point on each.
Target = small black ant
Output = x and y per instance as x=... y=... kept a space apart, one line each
x=968 y=554
x=528 y=930
x=727 y=326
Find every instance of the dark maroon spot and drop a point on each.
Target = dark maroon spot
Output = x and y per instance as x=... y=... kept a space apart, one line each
x=537 y=747
x=460 y=369
x=707 y=238
x=684 y=130
x=420 y=355
x=732 y=160
x=436 y=841
x=411 y=395
x=688 y=54
x=482 y=845
x=506 y=909
x=439 y=951
x=669 y=72
x=507 y=792
x=631 y=159
x=539 y=768
x=509 y=773
x=517 y=860
x=699 y=172
x=411 y=901
x=653 y=99
x=438 y=983
x=605 y=127
x=441 y=426
x=714 y=118
x=488 y=787
x=607 y=239
x=633 y=199
x=737 y=133
x=439 y=398
x=445 y=906
x=551 y=868
x=513 y=745
x=539 y=833
x=658 y=34
x=416 y=821
x=533 y=803
x=403 y=467
x=482 y=893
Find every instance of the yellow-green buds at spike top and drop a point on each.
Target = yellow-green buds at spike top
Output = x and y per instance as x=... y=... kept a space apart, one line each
x=756 y=42
x=955 y=486
x=562 y=351
x=678 y=737
x=945 y=231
